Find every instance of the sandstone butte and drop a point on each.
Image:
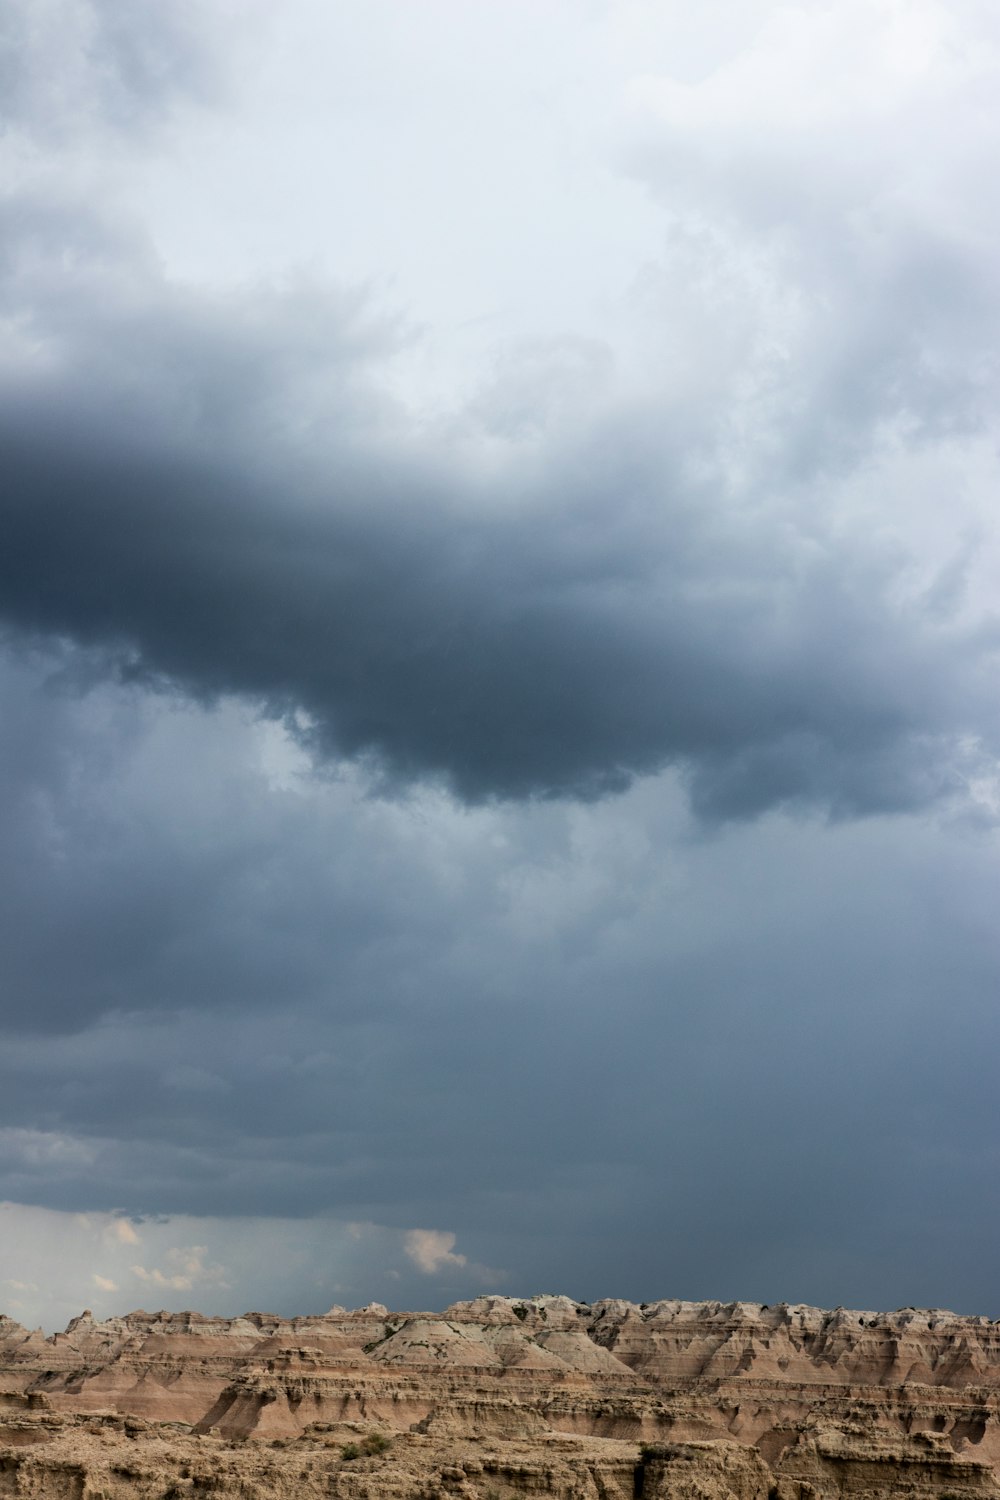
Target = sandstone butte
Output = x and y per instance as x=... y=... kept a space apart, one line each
x=500 y=1398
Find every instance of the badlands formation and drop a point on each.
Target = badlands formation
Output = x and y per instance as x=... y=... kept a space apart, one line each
x=501 y=1398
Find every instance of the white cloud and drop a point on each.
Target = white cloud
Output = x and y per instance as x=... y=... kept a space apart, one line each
x=190 y=1270
x=53 y=1264
x=431 y=1250
x=122 y=1231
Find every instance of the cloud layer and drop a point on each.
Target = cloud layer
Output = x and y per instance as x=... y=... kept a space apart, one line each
x=499 y=651
x=213 y=498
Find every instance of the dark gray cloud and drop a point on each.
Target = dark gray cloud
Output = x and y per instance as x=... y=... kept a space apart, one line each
x=560 y=815
x=595 y=1044
x=212 y=494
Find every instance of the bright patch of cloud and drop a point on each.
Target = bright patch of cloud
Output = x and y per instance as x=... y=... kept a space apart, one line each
x=431 y=1250
x=122 y=1231
x=189 y=1270
x=44 y=1148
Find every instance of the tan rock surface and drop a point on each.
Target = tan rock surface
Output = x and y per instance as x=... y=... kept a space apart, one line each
x=500 y=1397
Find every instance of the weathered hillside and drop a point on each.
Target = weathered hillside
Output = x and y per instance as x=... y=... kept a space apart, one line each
x=501 y=1397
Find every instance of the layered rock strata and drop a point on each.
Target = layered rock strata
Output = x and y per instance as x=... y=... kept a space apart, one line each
x=500 y=1397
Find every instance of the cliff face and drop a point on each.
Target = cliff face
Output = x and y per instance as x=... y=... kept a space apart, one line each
x=499 y=1397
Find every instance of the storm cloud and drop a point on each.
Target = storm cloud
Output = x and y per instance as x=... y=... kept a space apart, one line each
x=214 y=497
x=497 y=592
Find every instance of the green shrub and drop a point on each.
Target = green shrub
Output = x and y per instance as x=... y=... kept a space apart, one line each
x=372 y=1444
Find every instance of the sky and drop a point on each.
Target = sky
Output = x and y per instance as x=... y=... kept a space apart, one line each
x=498 y=653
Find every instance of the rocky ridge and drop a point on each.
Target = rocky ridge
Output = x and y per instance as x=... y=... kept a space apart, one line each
x=500 y=1397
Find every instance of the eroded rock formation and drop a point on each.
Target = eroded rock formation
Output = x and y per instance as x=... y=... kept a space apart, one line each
x=503 y=1397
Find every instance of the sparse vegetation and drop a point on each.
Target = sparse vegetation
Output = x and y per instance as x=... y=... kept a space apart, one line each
x=370 y=1446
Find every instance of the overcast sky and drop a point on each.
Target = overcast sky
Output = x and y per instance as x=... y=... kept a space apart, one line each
x=498 y=652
